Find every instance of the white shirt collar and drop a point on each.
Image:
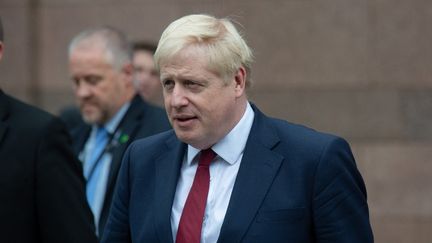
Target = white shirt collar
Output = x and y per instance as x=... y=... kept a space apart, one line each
x=230 y=147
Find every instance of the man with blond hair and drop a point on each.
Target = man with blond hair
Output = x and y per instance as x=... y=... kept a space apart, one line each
x=227 y=172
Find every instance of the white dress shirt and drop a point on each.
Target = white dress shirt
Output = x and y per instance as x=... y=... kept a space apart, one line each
x=223 y=173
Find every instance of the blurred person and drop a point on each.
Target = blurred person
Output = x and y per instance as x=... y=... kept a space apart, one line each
x=101 y=71
x=146 y=77
x=227 y=172
x=42 y=190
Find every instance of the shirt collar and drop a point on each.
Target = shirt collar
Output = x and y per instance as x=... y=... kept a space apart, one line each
x=230 y=147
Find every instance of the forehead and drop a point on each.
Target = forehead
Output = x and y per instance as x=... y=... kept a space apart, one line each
x=143 y=57
x=88 y=57
x=189 y=58
x=142 y=53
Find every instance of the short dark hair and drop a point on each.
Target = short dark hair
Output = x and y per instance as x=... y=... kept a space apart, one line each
x=144 y=46
x=1 y=30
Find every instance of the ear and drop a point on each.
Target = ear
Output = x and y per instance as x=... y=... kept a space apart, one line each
x=240 y=81
x=128 y=69
x=127 y=72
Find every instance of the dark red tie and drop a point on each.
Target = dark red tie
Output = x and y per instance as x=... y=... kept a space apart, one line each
x=189 y=230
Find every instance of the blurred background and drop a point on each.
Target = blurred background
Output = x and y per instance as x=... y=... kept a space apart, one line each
x=360 y=69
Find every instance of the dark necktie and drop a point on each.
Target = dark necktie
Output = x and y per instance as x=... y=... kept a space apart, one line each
x=190 y=225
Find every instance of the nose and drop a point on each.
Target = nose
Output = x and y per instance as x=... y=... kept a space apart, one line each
x=178 y=97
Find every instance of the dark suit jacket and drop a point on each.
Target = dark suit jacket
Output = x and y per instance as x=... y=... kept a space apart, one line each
x=294 y=185
x=141 y=120
x=42 y=195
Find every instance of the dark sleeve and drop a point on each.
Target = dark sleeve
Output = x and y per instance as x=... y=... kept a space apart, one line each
x=63 y=212
x=117 y=229
x=340 y=207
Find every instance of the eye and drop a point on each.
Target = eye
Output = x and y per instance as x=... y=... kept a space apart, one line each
x=75 y=81
x=93 y=79
x=168 y=84
x=138 y=69
x=190 y=83
x=193 y=85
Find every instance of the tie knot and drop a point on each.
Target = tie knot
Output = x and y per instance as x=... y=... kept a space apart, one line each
x=206 y=157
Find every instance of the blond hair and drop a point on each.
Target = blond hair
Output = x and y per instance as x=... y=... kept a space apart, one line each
x=227 y=50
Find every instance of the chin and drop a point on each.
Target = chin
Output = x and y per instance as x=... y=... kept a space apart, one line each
x=184 y=137
x=193 y=141
x=89 y=119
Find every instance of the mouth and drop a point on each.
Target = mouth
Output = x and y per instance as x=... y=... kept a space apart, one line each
x=184 y=120
x=87 y=107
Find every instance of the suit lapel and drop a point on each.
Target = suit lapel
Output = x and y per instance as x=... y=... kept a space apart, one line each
x=257 y=171
x=167 y=173
x=129 y=127
x=135 y=124
x=4 y=111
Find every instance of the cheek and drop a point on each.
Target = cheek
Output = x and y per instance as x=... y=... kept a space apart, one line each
x=222 y=112
x=211 y=117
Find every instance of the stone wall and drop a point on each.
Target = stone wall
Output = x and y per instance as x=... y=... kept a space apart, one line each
x=359 y=69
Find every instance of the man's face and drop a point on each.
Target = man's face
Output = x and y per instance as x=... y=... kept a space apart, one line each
x=100 y=89
x=201 y=107
x=146 y=77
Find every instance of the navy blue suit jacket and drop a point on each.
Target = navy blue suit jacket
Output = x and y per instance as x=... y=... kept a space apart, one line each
x=294 y=185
